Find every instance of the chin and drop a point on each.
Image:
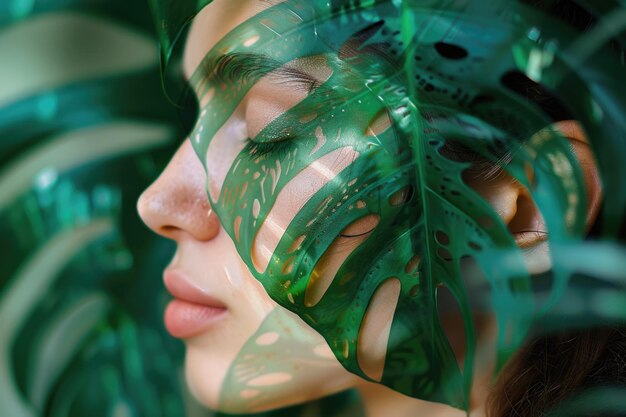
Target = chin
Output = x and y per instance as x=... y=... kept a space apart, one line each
x=204 y=376
x=206 y=371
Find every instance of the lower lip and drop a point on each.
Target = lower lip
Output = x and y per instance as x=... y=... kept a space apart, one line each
x=184 y=319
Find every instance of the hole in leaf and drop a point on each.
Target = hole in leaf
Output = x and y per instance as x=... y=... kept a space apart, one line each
x=401 y=196
x=444 y=254
x=475 y=246
x=412 y=265
x=236 y=227
x=376 y=327
x=452 y=322
x=451 y=51
x=296 y=244
x=442 y=238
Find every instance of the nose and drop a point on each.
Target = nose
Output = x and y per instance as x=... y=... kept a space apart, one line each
x=176 y=205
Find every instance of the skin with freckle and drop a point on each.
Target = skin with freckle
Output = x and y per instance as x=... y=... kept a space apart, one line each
x=353 y=183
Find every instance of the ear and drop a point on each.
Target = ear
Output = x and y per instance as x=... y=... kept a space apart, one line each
x=513 y=202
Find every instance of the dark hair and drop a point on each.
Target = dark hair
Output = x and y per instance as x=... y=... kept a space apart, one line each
x=551 y=369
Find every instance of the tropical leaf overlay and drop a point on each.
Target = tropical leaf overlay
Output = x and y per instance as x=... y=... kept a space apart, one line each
x=445 y=73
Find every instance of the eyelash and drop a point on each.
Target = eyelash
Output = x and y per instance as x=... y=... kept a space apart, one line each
x=481 y=167
x=278 y=148
x=257 y=150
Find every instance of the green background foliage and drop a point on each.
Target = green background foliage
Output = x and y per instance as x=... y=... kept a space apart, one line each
x=84 y=130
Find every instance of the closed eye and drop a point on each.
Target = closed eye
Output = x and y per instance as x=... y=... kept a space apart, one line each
x=258 y=150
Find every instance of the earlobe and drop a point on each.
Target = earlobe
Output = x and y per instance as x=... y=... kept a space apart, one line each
x=513 y=203
x=527 y=226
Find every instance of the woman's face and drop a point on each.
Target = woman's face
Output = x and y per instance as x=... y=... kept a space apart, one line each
x=222 y=313
x=244 y=352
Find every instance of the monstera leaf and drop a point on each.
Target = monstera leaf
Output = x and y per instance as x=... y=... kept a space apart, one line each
x=379 y=150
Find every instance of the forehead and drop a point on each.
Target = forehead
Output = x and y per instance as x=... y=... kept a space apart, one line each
x=213 y=23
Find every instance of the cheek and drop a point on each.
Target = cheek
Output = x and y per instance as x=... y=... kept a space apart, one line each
x=334 y=257
x=292 y=198
x=263 y=357
x=203 y=378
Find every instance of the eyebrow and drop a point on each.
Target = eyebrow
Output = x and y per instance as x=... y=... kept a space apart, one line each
x=249 y=67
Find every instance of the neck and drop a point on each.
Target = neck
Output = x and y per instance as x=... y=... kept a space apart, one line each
x=380 y=401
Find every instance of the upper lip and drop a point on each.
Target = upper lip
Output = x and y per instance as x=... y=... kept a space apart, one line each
x=181 y=287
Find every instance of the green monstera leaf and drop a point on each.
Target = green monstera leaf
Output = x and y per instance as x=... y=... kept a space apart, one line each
x=380 y=148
